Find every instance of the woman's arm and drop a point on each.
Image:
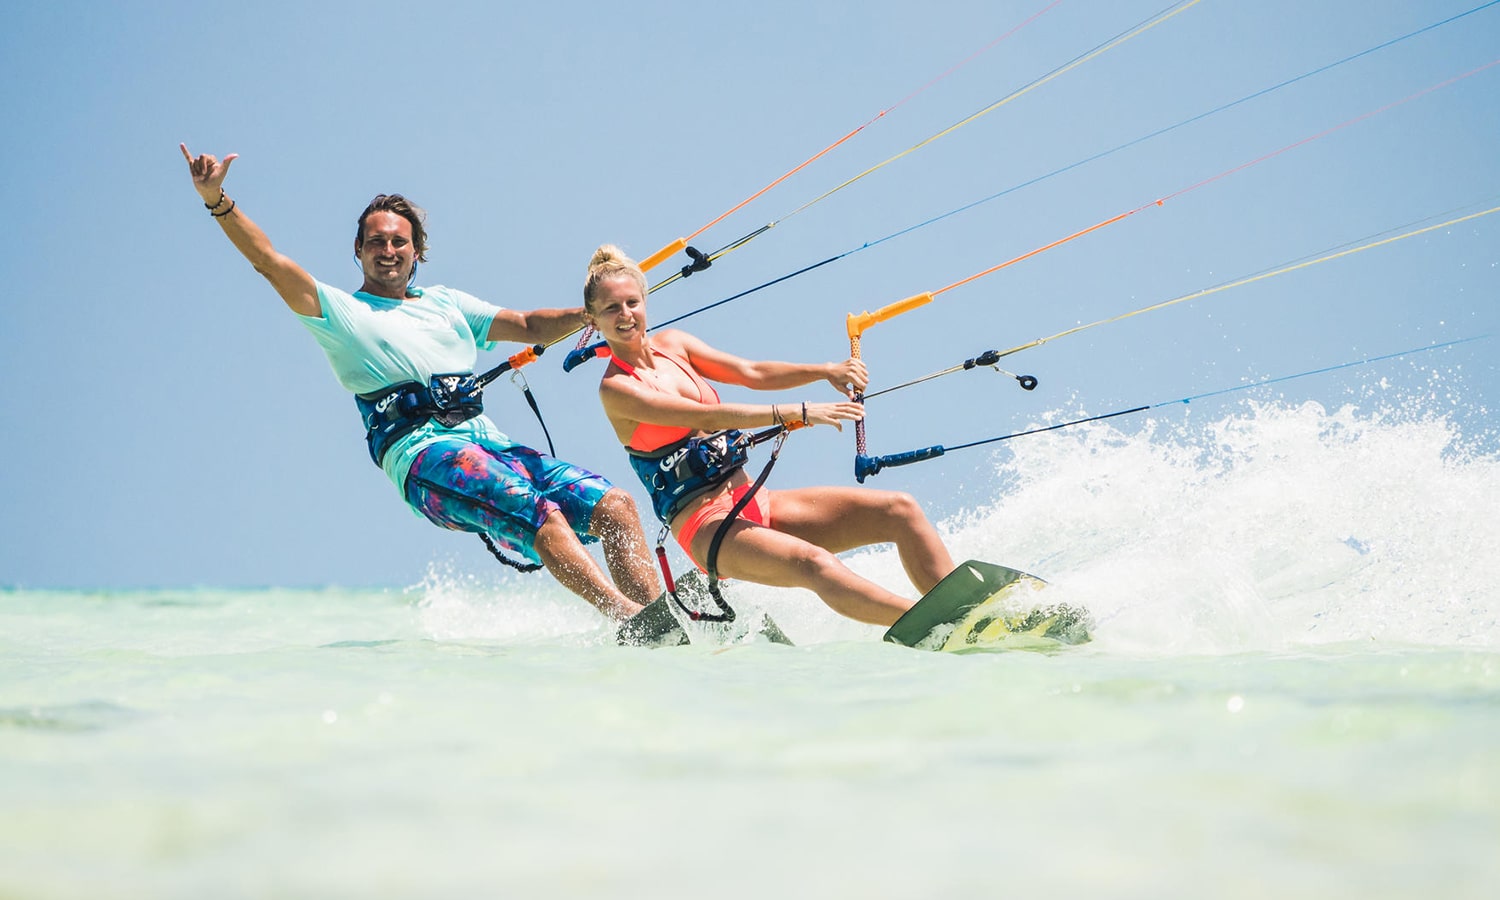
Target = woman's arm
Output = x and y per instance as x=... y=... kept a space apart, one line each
x=628 y=403
x=712 y=363
x=291 y=281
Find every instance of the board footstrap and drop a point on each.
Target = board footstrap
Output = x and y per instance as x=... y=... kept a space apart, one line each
x=660 y=624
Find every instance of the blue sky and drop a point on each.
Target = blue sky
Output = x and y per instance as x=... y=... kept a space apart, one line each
x=170 y=424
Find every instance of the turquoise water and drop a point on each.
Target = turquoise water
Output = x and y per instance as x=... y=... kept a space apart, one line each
x=1294 y=690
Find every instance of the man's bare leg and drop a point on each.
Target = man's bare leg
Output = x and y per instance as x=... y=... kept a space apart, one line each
x=617 y=524
x=564 y=556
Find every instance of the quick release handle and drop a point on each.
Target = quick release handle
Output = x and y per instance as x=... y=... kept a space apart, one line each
x=527 y=357
x=524 y=358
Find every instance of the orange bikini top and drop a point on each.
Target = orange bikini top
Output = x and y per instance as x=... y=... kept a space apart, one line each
x=647 y=436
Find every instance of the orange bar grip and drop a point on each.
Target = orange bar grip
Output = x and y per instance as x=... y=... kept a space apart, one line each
x=656 y=258
x=857 y=324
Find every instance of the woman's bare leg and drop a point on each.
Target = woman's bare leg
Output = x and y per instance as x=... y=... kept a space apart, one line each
x=843 y=518
x=766 y=556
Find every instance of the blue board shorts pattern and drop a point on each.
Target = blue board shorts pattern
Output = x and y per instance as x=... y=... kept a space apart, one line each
x=503 y=490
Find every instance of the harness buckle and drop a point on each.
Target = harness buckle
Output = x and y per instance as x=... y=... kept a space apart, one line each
x=401 y=409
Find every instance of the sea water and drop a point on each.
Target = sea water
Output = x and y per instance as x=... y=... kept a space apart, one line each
x=1293 y=691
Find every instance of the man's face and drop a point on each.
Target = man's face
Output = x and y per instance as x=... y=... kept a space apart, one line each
x=386 y=254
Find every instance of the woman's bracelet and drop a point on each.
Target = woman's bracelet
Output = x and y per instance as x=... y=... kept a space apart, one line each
x=220 y=215
x=804 y=412
x=222 y=197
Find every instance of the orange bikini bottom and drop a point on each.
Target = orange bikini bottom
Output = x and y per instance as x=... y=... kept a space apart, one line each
x=758 y=510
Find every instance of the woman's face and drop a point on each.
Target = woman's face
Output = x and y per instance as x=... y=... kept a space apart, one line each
x=618 y=310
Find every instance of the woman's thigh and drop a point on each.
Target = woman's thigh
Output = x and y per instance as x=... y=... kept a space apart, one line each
x=837 y=518
x=763 y=555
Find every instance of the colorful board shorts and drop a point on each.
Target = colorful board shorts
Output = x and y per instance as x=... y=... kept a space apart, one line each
x=504 y=491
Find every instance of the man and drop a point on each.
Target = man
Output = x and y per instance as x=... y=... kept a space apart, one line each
x=408 y=353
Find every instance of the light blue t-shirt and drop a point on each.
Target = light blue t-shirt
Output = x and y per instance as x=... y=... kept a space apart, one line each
x=374 y=342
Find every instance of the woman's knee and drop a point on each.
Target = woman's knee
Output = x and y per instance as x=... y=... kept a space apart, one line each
x=817 y=564
x=903 y=507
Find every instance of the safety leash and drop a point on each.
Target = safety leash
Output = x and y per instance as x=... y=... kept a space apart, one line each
x=727 y=613
x=513 y=365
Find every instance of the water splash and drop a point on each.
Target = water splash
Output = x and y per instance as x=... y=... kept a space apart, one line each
x=506 y=607
x=1276 y=525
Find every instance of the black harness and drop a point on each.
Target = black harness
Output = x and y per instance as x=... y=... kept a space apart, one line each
x=678 y=472
x=397 y=411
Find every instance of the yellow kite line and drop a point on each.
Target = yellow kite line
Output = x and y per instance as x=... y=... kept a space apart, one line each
x=860 y=440
x=681 y=243
x=1251 y=279
x=671 y=249
x=856 y=324
x=1195 y=295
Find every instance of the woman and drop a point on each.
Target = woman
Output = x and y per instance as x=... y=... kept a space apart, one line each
x=657 y=396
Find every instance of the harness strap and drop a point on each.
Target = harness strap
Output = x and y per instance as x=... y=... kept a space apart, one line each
x=723 y=530
x=519 y=380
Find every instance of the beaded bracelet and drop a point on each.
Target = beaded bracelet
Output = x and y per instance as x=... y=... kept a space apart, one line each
x=226 y=212
x=222 y=197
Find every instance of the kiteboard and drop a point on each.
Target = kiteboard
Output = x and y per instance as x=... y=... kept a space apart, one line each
x=662 y=623
x=982 y=606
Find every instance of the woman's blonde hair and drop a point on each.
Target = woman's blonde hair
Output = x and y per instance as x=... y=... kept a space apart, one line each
x=607 y=262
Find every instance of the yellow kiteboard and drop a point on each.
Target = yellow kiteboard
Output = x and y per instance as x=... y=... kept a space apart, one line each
x=982 y=606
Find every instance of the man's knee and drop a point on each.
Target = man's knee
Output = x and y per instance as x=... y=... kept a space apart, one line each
x=615 y=510
x=554 y=533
